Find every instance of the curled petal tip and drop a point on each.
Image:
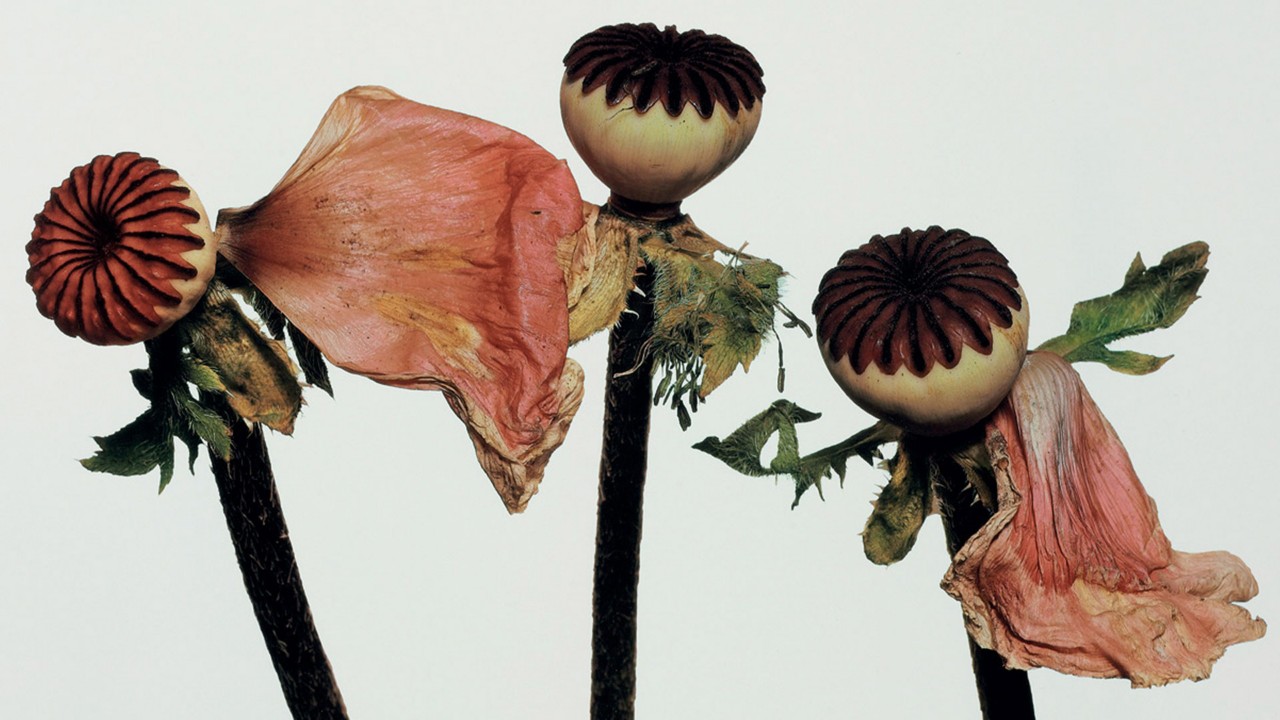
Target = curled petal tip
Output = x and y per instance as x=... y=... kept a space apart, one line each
x=516 y=472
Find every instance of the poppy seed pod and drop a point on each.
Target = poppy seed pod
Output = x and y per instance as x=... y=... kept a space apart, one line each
x=657 y=114
x=121 y=251
x=926 y=329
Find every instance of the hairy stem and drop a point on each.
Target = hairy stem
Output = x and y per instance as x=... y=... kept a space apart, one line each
x=271 y=578
x=1003 y=694
x=628 y=400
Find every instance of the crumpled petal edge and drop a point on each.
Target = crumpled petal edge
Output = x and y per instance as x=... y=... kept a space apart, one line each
x=517 y=475
x=1174 y=627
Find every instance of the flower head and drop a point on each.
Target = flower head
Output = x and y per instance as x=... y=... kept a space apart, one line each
x=121 y=251
x=1073 y=572
x=926 y=329
x=710 y=92
x=418 y=247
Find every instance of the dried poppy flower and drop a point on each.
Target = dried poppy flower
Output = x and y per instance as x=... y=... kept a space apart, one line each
x=418 y=247
x=1073 y=571
x=121 y=251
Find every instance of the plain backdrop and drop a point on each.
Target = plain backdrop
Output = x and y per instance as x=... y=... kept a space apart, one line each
x=1072 y=137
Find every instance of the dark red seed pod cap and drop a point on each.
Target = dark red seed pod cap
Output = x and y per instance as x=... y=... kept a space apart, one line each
x=121 y=251
x=651 y=66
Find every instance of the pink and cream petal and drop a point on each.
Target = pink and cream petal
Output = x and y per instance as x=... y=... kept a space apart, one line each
x=417 y=246
x=517 y=471
x=1073 y=572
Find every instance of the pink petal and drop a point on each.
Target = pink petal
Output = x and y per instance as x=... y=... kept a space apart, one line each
x=1073 y=572
x=417 y=246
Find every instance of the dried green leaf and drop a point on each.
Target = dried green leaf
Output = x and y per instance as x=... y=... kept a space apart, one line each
x=142 y=382
x=135 y=449
x=310 y=359
x=726 y=346
x=272 y=319
x=192 y=441
x=260 y=380
x=1151 y=298
x=900 y=510
x=205 y=424
x=214 y=339
x=201 y=375
x=741 y=449
x=710 y=317
x=834 y=458
x=910 y=497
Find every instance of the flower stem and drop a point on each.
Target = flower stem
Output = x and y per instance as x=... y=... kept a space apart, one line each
x=1003 y=694
x=628 y=400
x=255 y=518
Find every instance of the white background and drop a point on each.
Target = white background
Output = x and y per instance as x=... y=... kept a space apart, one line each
x=1072 y=138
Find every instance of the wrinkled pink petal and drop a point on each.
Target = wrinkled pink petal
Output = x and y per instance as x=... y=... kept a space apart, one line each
x=1073 y=571
x=417 y=246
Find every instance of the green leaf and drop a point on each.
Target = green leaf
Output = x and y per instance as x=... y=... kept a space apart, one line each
x=741 y=449
x=203 y=423
x=920 y=466
x=310 y=359
x=142 y=382
x=201 y=375
x=834 y=458
x=222 y=354
x=271 y=317
x=1149 y=299
x=192 y=441
x=135 y=449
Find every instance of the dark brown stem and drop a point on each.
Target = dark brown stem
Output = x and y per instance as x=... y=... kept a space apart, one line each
x=261 y=539
x=628 y=400
x=650 y=212
x=1003 y=694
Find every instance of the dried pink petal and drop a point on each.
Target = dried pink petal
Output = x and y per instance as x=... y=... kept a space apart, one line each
x=417 y=247
x=1073 y=571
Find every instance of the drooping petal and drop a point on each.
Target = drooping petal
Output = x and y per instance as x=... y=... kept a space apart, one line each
x=1073 y=571
x=417 y=246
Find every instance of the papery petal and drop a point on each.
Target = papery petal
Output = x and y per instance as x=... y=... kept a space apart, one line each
x=1073 y=571
x=417 y=246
